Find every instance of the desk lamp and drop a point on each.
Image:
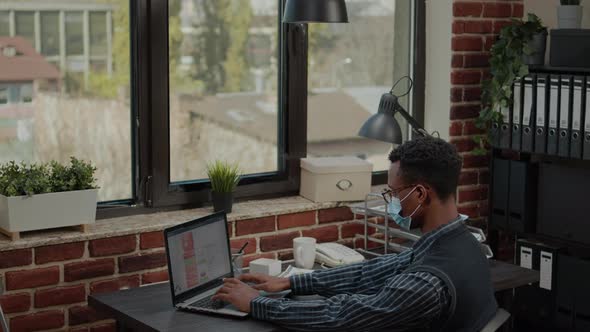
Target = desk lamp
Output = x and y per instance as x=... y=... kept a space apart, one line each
x=315 y=11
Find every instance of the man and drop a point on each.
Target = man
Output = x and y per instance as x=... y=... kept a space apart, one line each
x=441 y=284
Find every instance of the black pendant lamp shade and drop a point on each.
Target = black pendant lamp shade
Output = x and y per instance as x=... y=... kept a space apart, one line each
x=315 y=11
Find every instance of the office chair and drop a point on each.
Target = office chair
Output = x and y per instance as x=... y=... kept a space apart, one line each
x=3 y=322
x=497 y=322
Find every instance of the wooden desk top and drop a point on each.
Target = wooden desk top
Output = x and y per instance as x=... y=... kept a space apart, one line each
x=150 y=308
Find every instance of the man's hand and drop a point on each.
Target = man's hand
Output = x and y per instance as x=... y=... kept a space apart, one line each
x=266 y=283
x=237 y=293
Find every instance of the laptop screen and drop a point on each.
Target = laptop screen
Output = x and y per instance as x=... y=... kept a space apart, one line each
x=198 y=253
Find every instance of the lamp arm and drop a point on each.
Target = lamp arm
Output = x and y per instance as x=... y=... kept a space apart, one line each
x=413 y=123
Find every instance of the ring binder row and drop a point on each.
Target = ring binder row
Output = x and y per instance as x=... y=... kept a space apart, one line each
x=550 y=114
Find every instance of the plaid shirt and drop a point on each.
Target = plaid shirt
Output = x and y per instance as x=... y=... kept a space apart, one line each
x=372 y=295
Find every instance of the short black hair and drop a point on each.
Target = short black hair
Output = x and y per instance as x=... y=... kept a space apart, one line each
x=431 y=161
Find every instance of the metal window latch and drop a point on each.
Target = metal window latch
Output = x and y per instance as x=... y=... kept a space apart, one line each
x=147 y=191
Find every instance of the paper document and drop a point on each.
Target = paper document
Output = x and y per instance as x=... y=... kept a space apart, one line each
x=291 y=271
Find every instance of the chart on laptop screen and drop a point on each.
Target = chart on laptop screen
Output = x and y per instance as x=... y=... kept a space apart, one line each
x=198 y=255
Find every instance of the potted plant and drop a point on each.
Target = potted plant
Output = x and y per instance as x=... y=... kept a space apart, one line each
x=42 y=196
x=569 y=14
x=224 y=178
x=519 y=45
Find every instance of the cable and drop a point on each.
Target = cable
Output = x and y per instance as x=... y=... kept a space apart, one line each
x=399 y=80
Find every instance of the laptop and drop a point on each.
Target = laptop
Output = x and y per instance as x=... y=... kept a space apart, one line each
x=199 y=257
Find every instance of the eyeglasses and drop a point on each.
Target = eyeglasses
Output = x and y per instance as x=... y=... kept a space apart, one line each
x=388 y=194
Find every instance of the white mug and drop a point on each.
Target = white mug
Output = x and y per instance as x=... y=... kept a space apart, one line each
x=304 y=252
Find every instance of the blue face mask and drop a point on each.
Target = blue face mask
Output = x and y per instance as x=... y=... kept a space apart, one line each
x=395 y=207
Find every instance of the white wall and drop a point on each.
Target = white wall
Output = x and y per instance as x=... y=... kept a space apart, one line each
x=439 y=19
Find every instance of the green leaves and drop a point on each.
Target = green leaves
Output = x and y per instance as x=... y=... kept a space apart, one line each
x=224 y=177
x=31 y=179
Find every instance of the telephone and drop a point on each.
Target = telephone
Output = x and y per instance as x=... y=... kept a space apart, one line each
x=335 y=254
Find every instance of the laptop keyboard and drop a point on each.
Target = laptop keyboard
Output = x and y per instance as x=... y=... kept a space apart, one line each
x=208 y=303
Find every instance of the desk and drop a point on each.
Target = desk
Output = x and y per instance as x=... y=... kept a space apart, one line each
x=150 y=308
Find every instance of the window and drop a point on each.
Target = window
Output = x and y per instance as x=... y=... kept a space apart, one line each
x=25 y=26
x=350 y=67
x=3 y=95
x=74 y=33
x=4 y=23
x=50 y=33
x=26 y=93
x=98 y=33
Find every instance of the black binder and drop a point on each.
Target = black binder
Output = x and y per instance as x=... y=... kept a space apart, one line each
x=522 y=196
x=528 y=115
x=505 y=129
x=517 y=115
x=541 y=114
x=576 y=121
x=553 y=112
x=586 y=113
x=565 y=116
x=499 y=195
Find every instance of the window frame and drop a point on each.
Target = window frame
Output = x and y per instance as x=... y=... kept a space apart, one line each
x=152 y=190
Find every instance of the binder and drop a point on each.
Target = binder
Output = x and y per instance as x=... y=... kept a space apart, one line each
x=586 y=146
x=565 y=115
x=505 y=129
x=576 y=134
x=528 y=116
x=499 y=194
x=517 y=115
x=553 y=115
x=522 y=196
x=541 y=115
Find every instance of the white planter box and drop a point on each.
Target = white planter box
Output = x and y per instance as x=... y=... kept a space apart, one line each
x=27 y=213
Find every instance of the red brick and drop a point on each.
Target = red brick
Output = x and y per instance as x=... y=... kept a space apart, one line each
x=84 y=314
x=78 y=329
x=517 y=10
x=456 y=128
x=456 y=94
x=13 y=258
x=464 y=144
x=112 y=246
x=471 y=161
x=471 y=129
x=490 y=40
x=335 y=214
x=458 y=27
x=484 y=209
x=277 y=242
x=350 y=230
x=112 y=285
x=32 y=278
x=296 y=219
x=249 y=258
x=142 y=262
x=472 y=94
x=323 y=234
x=230 y=229
x=484 y=177
x=497 y=9
x=462 y=9
x=89 y=269
x=152 y=277
x=477 y=60
x=151 y=240
x=459 y=112
x=59 y=252
x=18 y=302
x=498 y=25
x=472 y=195
x=285 y=255
x=109 y=327
x=468 y=178
x=43 y=320
x=466 y=77
x=471 y=210
x=255 y=226
x=467 y=43
x=481 y=27
x=60 y=295
x=457 y=61
x=238 y=243
x=360 y=243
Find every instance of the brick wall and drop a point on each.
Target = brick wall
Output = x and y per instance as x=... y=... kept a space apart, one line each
x=475 y=27
x=46 y=287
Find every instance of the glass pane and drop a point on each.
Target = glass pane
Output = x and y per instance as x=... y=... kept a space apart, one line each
x=350 y=67
x=74 y=34
x=4 y=24
x=223 y=85
x=98 y=33
x=50 y=33
x=25 y=26
x=76 y=111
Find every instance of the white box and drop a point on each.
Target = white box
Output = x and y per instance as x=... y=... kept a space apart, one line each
x=271 y=267
x=335 y=179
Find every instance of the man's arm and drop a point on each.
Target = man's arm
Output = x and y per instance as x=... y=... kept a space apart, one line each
x=361 y=278
x=408 y=301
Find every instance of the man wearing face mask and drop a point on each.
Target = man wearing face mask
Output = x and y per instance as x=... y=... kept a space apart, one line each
x=441 y=284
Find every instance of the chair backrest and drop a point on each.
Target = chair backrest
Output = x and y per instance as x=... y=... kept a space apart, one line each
x=495 y=323
x=3 y=321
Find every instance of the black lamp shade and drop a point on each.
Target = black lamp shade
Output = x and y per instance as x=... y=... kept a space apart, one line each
x=315 y=11
x=383 y=126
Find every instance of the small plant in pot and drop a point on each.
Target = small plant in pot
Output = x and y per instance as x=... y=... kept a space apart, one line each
x=224 y=178
x=569 y=14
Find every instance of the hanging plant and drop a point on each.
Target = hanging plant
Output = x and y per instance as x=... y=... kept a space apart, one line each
x=506 y=64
